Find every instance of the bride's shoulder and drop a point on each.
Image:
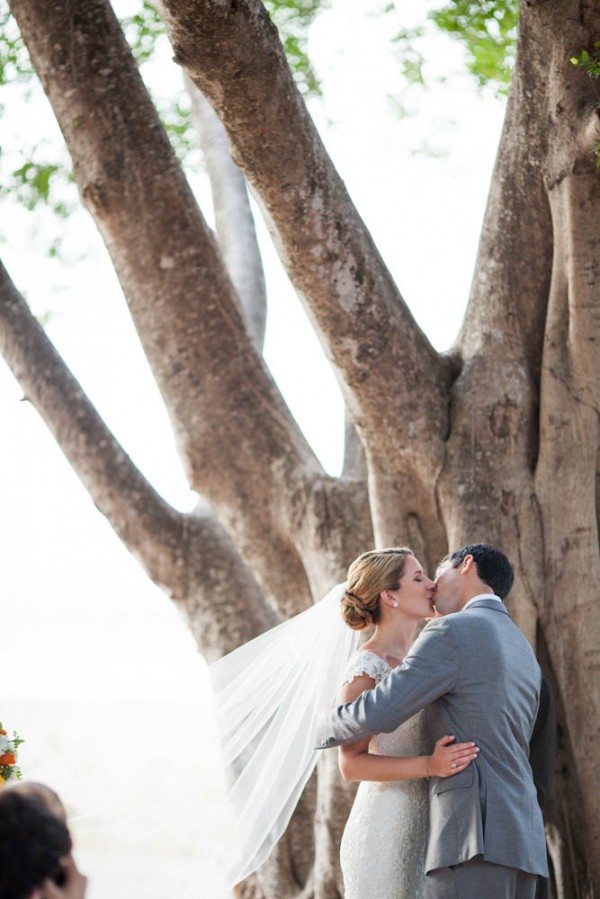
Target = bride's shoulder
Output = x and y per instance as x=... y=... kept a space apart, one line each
x=364 y=662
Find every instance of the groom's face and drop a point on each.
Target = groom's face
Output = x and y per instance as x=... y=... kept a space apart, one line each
x=448 y=589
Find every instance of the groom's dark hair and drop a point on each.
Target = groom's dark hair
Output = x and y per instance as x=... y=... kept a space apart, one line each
x=493 y=567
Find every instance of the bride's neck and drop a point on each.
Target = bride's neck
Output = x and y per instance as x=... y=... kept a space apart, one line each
x=394 y=639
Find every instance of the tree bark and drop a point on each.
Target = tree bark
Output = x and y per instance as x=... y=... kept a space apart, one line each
x=252 y=455
x=190 y=557
x=524 y=441
x=233 y=216
x=366 y=328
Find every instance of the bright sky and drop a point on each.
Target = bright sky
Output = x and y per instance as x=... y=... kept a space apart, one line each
x=100 y=674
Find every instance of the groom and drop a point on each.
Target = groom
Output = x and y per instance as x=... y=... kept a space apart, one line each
x=476 y=676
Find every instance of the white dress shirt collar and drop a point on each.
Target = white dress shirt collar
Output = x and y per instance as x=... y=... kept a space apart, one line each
x=481 y=596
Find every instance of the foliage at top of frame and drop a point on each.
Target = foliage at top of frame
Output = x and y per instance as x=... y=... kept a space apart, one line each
x=292 y=18
x=39 y=178
x=487 y=29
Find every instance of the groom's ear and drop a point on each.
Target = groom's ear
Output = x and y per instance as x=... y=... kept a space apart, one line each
x=467 y=565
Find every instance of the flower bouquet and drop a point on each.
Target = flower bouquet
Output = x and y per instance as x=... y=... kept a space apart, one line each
x=9 y=770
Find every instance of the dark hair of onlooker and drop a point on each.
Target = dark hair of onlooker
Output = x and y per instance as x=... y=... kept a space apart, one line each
x=32 y=843
x=493 y=567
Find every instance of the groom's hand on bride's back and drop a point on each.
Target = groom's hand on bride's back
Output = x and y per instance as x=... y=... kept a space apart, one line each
x=449 y=757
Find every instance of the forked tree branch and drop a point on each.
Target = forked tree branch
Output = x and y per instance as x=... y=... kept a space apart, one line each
x=493 y=442
x=238 y=441
x=513 y=269
x=233 y=53
x=189 y=556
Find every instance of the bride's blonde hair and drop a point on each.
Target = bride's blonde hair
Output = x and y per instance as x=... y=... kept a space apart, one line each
x=368 y=575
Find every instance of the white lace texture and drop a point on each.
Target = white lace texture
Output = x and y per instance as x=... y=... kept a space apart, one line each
x=366 y=662
x=383 y=846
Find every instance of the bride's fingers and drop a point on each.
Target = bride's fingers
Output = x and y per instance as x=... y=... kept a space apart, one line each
x=452 y=757
x=463 y=760
x=466 y=759
x=468 y=750
x=445 y=741
x=457 y=766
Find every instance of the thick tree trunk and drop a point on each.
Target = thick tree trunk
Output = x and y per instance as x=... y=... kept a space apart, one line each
x=522 y=454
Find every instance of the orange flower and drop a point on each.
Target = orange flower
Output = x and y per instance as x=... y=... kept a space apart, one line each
x=3 y=732
x=7 y=759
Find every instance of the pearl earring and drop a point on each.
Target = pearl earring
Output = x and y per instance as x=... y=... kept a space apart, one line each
x=395 y=604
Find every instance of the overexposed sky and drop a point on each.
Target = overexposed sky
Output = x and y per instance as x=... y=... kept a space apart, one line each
x=82 y=627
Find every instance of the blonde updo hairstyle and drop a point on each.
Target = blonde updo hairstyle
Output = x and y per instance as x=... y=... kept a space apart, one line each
x=368 y=576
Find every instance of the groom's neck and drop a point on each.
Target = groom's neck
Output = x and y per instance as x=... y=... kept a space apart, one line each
x=476 y=588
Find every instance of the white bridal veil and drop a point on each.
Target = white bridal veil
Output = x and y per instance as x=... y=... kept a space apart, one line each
x=270 y=694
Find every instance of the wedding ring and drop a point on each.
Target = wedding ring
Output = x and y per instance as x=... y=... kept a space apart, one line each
x=453 y=765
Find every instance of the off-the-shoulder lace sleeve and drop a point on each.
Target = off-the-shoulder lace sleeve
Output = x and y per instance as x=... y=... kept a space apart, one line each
x=366 y=662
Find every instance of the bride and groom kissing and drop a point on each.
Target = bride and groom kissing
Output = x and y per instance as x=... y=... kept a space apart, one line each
x=470 y=674
x=461 y=821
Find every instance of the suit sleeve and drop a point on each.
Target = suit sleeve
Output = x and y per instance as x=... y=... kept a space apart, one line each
x=542 y=746
x=429 y=671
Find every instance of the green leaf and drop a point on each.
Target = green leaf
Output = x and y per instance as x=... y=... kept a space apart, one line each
x=488 y=31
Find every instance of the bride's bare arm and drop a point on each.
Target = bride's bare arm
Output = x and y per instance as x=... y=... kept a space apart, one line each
x=357 y=763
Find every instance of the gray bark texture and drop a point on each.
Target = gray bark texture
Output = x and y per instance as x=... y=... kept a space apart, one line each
x=496 y=440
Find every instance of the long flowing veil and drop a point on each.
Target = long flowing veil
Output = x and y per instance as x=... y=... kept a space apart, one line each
x=270 y=694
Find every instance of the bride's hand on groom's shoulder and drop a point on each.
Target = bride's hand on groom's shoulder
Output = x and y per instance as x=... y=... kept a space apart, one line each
x=450 y=757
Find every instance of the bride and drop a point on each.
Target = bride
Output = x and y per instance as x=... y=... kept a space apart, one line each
x=383 y=846
x=270 y=695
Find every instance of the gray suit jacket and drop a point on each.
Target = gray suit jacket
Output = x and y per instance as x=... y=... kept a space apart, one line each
x=476 y=676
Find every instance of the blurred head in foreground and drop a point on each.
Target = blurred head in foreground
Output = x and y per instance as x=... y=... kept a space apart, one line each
x=35 y=846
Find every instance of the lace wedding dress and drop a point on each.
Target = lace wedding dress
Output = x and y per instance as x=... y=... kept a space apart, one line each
x=383 y=846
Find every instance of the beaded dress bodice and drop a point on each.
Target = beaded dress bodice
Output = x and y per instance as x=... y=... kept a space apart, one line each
x=383 y=846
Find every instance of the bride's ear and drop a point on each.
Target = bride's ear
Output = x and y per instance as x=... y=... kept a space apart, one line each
x=386 y=597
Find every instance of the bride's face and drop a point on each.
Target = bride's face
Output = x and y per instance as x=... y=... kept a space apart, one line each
x=415 y=594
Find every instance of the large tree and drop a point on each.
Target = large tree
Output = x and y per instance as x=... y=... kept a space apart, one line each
x=501 y=445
